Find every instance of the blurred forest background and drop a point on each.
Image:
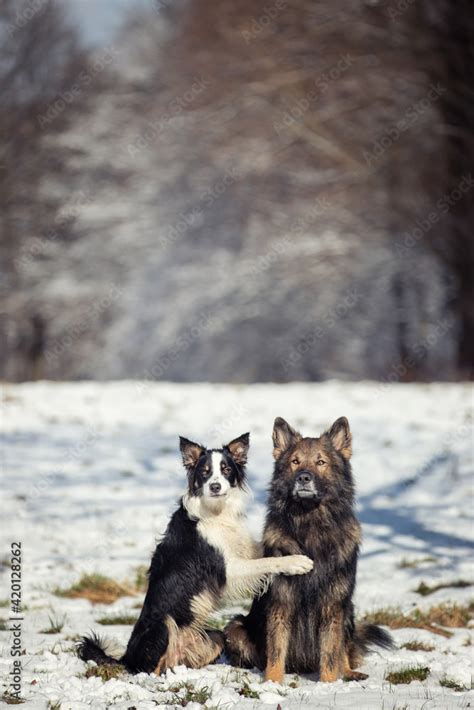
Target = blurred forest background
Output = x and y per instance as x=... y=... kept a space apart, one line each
x=237 y=191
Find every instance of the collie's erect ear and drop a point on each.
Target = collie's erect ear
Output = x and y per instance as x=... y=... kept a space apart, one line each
x=341 y=438
x=239 y=449
x=283 y=437
x=190 y=451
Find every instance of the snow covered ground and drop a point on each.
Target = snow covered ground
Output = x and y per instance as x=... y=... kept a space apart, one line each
x=91 y=473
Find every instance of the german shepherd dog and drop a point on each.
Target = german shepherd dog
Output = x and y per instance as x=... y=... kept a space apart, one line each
x=206 y=552
x=306 y=624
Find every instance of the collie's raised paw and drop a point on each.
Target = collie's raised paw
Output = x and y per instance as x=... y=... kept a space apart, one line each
x=296 y=564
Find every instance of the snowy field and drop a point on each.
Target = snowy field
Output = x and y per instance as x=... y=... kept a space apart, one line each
x=91 y=473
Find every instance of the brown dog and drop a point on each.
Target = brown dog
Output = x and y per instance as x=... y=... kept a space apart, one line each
x=306 y=624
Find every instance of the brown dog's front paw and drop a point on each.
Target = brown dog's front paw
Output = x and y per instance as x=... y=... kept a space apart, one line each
x=275 y=672
x=355 y=675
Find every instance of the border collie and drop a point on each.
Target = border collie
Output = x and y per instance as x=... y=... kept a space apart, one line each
x=206 y=553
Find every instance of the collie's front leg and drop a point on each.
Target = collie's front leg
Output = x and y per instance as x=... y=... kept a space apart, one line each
x=289 y=564
x=251 y=576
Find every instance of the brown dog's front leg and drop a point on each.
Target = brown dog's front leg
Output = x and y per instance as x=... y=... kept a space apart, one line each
x=332 y=650
x=278 y=635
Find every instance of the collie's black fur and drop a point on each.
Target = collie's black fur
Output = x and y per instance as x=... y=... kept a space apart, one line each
x=306 y=624
x=205 y=552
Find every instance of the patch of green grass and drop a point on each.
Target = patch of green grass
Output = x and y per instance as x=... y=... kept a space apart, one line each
x=247 y=692
x=452 y=684
x=10 y=699
x=56 y=625
x=408 y=675
x=190 y=694
x=124 y=619
x=127 y=474
x=417 y=646
x=3 y=625
x=97 y=588
x=424 y=589
x=447 y=615
x=54 y=705
x=4 y=603
x=105 y=672
x=141 y=578
x=413 y=564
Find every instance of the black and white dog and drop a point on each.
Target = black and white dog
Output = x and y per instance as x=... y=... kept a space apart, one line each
x=206 y=553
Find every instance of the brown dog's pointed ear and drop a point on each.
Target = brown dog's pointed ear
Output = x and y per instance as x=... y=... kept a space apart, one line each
x=283 y=436
x=341 y=438
x=239 y=448
x=190 y=451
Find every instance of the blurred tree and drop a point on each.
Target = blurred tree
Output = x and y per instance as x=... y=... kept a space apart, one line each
x=40 y=56
x=450 y=60
x=264 y=180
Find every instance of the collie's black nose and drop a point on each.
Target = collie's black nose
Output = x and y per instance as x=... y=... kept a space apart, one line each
x=215 y=487
x=304 y=478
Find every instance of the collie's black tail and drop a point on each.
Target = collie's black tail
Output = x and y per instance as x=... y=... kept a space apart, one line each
x=93 y=648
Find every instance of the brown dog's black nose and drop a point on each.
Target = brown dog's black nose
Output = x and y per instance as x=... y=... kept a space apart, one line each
x=304 y=478
x=215 y=487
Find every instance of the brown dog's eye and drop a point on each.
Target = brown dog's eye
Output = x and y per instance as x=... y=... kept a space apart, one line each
x=320 y=462
x=295 y=461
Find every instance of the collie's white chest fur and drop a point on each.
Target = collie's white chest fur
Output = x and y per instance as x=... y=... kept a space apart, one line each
x=224 y=528
x=229 y=536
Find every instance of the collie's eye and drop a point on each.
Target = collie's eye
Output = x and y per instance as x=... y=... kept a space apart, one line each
x=226 y=469
x=295 y=461
x=320 y=462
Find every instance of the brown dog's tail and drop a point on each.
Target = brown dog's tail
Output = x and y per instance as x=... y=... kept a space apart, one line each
x=367 y=635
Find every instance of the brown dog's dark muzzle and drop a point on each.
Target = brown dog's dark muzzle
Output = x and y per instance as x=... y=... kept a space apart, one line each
x=305 y=486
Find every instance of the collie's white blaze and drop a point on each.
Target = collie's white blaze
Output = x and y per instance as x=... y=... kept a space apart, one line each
x=216 y=477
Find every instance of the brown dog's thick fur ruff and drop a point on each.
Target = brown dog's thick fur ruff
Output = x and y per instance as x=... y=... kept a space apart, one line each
x=306 y=624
